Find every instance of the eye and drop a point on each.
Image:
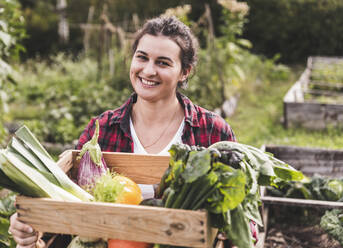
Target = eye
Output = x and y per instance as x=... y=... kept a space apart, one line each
x=141 y=57
x=163 y=63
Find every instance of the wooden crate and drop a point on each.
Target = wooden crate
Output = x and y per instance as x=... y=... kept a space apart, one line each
x=310 y=161
x=129 y=222
x=311 y=114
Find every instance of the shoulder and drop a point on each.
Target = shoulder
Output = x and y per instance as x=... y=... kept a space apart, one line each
x=109 y=122
x=214 y=124
x=209 y=123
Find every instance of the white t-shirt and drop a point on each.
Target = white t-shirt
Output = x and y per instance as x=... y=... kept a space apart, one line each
x=147 y=189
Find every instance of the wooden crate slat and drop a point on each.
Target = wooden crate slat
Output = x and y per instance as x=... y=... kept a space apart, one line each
x=129 y=222
x=144 y=169
x=300 y=202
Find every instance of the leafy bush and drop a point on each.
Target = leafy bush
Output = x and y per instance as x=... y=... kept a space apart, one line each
x=62 y=96
x=295 y=28
x=7 y=208
x=11 y=33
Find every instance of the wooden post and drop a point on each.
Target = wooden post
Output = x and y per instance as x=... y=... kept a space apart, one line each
x=87 y=29
x=63 y=27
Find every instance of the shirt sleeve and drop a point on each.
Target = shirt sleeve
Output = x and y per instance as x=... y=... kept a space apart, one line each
x=221 y=131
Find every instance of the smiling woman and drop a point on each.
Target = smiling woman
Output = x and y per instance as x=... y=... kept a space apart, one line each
x=156 y=115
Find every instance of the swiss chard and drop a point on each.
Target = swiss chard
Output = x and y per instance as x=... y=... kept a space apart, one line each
x=223 y=179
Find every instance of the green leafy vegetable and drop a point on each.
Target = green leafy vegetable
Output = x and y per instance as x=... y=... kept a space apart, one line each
x=6 y=210
x=224 y=179
x=315 y=188
x=332 y=223
x=106 y=189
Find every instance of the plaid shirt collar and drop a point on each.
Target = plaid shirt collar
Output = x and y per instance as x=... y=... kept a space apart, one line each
x=124 y=112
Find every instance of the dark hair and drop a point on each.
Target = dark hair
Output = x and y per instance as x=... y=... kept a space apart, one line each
x=179 y=33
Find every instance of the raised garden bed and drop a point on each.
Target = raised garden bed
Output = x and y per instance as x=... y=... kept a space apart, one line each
x=315 y=101
x=291 y=222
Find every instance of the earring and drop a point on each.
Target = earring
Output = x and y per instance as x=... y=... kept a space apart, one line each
x=184 y=84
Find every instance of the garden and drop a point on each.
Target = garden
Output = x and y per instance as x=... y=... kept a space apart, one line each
x=274 y=74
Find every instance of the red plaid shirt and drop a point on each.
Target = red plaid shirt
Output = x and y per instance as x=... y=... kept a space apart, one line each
x=202 y=127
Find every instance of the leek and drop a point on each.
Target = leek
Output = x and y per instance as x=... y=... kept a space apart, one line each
x=30 y=181
x=22 y=150
x=18 y=155
x=25 y=135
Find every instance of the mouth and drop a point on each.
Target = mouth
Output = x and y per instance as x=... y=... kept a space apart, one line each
x=148 y=83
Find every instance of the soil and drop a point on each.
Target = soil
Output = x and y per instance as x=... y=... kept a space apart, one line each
x=290 y=227
x=299 y=237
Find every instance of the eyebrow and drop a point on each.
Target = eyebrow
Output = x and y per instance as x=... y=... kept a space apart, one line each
x=160 y=57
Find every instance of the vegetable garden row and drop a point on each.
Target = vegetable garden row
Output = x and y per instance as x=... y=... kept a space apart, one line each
x=308 y=213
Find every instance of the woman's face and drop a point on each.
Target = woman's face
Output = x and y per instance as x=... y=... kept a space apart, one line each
x=156 y=68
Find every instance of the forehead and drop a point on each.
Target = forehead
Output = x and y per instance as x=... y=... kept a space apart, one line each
x=159 y=46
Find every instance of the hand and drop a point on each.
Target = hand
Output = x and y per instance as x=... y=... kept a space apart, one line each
x=23 y=234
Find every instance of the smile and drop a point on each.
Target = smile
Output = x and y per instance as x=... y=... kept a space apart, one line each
x=148 y=83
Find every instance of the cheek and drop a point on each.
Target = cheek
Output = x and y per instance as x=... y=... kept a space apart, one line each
x=133 y=70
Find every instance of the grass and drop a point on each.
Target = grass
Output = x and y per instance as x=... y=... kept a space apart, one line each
x=258 y=119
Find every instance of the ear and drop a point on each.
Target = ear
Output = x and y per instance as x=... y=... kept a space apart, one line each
x=185 y=73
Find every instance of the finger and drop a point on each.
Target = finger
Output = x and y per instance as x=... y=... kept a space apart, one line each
x=26 y=242
x=18 y=226
x=26 y=246
x=19 y=235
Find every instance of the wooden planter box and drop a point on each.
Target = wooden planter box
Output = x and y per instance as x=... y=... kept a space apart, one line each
x=121 y=221
x=310 y=161
x=309 y=113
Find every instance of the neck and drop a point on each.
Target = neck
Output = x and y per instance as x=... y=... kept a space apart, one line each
x=151 y=113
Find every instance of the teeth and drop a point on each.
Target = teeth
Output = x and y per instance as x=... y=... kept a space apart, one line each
x=148 y=82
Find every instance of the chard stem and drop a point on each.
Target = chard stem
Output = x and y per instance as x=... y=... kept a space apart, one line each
x=202 y=184
x=204 y=198
x=181 y=197
x=170 y=198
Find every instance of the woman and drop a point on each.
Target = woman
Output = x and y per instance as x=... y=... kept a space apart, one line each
x=156 y=115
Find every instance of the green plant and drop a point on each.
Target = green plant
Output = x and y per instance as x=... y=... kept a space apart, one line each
x=56 y=99
x=11 y=33
x=220 y=73
x=7 y=208
x=295 y=29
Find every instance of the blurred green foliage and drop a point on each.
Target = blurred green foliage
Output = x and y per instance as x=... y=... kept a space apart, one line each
x=7 y=208
x=11 y=33
x=57 y=99
x=295 y=29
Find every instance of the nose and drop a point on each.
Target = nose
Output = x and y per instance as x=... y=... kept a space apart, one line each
x=149 y=69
